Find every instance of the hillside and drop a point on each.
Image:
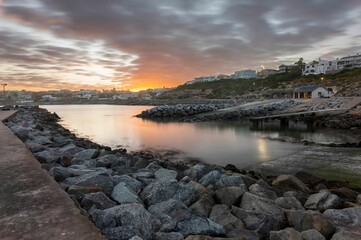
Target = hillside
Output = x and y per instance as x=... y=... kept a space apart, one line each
x=345 y=83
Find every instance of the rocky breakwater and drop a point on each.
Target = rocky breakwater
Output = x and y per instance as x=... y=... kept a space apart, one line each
x=141 y=196
x=180 y=110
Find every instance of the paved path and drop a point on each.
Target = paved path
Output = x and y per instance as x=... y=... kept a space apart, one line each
x=32 y=204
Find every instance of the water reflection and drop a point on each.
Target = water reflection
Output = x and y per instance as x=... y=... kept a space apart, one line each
x=215 y=143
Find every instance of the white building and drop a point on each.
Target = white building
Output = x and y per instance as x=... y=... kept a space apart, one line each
x=202 y=79
x=319 y=67
x=349 y=62
x=266 y=73
x=244 y=74
x=311 y=91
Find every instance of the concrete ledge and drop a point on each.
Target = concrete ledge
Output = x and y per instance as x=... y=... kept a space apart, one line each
x=32 y=204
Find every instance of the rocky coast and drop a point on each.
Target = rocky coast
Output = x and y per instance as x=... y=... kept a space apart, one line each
x=143 y=196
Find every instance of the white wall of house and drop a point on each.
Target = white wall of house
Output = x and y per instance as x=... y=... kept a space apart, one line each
x=319 y=67
x=349 y=62
x=320 y=93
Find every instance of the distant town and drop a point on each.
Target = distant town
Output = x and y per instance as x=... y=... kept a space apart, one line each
x=320 y=66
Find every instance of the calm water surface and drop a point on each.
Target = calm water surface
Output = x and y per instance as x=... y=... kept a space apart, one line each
x=215 y=143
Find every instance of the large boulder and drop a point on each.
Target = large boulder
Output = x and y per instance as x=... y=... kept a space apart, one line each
x=165 y=189
x=262 y=191
x=322 y=201
x=130 y=182
x=230 y=195
x=221 y=214
x=290 y=182
x=305 y=220
x=210 y=178
x=168 y=236
x=79 y=191
x=256 y=203
x=230 y=181
x=61 y=173
x=312 y=234
x=286 y=234
x=204 y=205
x=99 y=200
x=348 y=219
x=121 y=233
x=103 y=219
x=100 y=179
x=289 y=203
x=163 y=173
x=196 y=225
x=69 y=150
x=87 y=154
x=35 y=147
x=197 y=171
x=309 y=179
x=122 y=194
x=47 y=156
x=42 y=140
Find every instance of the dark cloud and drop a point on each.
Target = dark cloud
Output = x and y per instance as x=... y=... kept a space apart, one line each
x=174 y=41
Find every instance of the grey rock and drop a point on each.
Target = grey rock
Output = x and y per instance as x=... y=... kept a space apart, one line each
x=221 y=214
x=210 y=178
x=312 y=234
x=230 y=195
x=199 y=188
x=168 y=236
x=42 y=140
x=47 y=156
x=322 y=201
x=241 y=233
x=141 y=174
x=136 y=238
x=291 y=182
x=87 y=154
x=358 y=199
x=197 y=171
x=122 y=194
x=345 y=235
x=300 y=196
x=130 y=182
x=262 y=191
x=170 y=209
x=348 y=218
x=103 y=219
x=196 y=225
x=106 y=160
x=79 y=191
x=204 y=205
x=163 y=173
x=61 y=173
x=69 y=150
x=165 y=189
x=100 y=179
x=229 y=181
x=305 y=220
x=34 y=147
x=286 y=234
x=99 y=199
x=290 y=203
x=125 y=232
x=256 y=203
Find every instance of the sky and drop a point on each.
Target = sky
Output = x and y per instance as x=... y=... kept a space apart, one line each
x=140 y=44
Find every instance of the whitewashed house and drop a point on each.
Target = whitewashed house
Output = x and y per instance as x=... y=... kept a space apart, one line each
x=311 y=91
x=244 y=74
x=319 y=67
x=349 y=62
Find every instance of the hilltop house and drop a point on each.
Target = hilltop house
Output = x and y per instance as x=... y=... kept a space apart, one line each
x=266 y=73
x=319 y=67
x=349 y=62
x=311 y=91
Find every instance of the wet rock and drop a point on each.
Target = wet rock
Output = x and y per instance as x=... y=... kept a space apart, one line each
x=165 y=189
x=87 y=154
x=99 y=178
x=204 y=205
x=291 y=182
x=312 y=234
x=196 y=225
x=221 y=214
x=262 y=191
x=254 y=202
x=99 y=200
x=230 y=195
x=130 y=182
x=163 y=173
x=168 y=236
x=309 y=179
x=122 y=194
x=121 y=233
x=285 y=234
x=290 y=203
x=322 y=201
x=304 y=220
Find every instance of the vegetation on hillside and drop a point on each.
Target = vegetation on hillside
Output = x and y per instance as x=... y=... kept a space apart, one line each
x=346 y=83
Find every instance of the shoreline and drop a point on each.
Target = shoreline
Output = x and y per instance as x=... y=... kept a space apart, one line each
x=110 y=184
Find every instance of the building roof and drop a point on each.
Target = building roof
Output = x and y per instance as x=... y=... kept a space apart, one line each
x=353 y=56
x=309 y=88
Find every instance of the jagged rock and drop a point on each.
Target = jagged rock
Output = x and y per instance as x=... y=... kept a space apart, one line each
x=312 y=234
x=103 y=219
x=291 y=182
x=344 y=235
x=199 y=188
x=79 y=191
x=262 y=191
x=254 y=202
x=230 y=195
x=290 y=203
x=42 y=140
x=141 y=163
x=61 y=173
x=230 y=181
x=210 y=178
x=47 y=156
x=106 y=161
x=197 y=171
x=99 y=199
x=345 y=194
x=100 y=179
x=221 y=214
x=163 y=173
x=300 y=196
x=165 y=189
x=304 y=220
x=87 y=154
x=34 y=147
x=196 y=225
x=309 y=179
x=130 y=182
x=121 y=233
x=154 y=167
x=136 y=238
x=168 y=236
x=69 y=150
x=134 y=215
x=204 y=205
x=286 y=234
x=248 y=181
x=122 y=194
x=141 y=174
x=322 y=201
x=241 y=233
x=348 y=219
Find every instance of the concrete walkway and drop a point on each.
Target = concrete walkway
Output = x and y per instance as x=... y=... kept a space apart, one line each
x=32 y=204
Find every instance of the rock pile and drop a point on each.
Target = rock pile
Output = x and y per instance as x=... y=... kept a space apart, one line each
x=139 y=196
x=180 y=110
